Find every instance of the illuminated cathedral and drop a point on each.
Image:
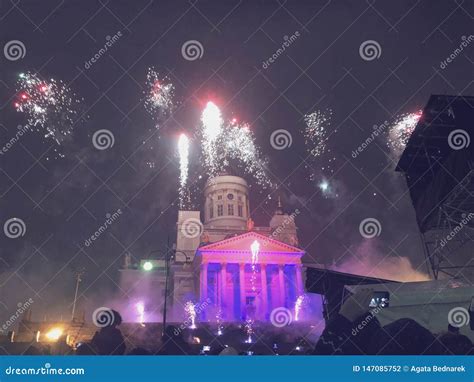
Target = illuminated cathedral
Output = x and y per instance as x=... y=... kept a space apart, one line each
x=225 y=265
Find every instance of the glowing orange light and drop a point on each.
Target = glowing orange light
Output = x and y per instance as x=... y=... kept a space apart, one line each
x=54 y=334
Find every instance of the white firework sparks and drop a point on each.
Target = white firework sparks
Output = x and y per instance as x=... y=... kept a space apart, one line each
x=159 y=101
x=212 y=121
x=400 y=131
x=49 y=105
x=324 y=186
x=298 y=307
x=328 y=188
x=183 y=150
x=254 y=249
x=225 y=144
x=211 y=129
x=316 y=132
x=190 y=309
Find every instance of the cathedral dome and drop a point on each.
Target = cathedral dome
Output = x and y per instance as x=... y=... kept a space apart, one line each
x=226 y=202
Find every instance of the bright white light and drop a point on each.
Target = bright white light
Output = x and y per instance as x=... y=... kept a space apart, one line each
x=147 y=266
x=54 y=334
x=183 y=149
x=255 y=248
x=140 y=306
x=212 y=121
x=298 y=307
x=190 y=309
x=324 y=185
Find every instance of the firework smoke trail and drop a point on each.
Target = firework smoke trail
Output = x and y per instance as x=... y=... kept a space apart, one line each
x=48 y=105
x=159 y=93
x=223 y=143
x=400 y=131
x=183 y=150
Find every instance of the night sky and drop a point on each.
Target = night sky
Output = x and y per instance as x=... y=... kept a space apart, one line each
x=63 y=200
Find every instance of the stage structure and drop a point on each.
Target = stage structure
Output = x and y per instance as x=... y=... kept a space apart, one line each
x=438 y=164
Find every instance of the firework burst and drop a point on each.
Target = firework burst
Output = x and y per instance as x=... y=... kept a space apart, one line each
x=159 y=93
x=400 y=131
x=49 y=105
x=229 y=144
x=316 y=132
x=211 y=130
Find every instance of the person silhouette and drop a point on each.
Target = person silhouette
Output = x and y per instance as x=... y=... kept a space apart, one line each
x=109 y=340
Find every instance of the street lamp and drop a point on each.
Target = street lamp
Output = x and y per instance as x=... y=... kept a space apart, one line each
x=167 y=255
x=147 y=266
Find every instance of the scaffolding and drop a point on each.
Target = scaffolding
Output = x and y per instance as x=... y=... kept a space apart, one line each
x=440 y=179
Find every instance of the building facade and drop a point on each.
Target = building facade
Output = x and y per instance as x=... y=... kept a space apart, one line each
x=237 y=270
x=249 y=275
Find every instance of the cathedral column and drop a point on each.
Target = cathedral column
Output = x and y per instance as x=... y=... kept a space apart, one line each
x=203 y=282
x=299 y=280
x=281 y=279
x=223 y=288
x=242 y=288
x=264 y=291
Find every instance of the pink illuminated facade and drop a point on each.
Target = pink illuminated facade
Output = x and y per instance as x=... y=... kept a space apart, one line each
x=249 y=275
x=233 y=269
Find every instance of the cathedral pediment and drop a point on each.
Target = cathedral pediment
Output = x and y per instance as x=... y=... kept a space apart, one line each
x=242 y=243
